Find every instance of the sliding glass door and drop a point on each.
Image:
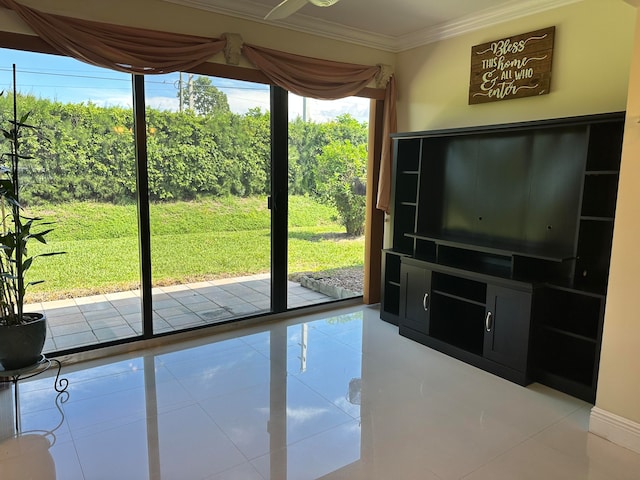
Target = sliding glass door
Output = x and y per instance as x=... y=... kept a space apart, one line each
x=208 y=164
x=327 y=195
x=81 y=177
x=184 y=200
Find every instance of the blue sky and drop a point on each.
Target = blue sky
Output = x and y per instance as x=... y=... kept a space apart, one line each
x=68 y=80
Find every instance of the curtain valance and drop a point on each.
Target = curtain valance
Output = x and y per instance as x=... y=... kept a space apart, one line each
x=118 y=47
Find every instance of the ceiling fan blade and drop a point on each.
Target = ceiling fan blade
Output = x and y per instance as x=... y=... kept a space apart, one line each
x=284 y=9
x=323 y=3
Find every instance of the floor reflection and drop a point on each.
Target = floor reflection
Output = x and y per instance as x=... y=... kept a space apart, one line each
x=214 y=405
x=338 y=395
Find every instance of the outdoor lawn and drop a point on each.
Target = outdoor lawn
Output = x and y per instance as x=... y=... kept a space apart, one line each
x=190 y=241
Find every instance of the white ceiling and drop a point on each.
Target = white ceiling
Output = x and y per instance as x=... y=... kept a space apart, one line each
x=391 y=25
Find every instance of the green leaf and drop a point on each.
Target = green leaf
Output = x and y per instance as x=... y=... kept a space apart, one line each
x=27 y=264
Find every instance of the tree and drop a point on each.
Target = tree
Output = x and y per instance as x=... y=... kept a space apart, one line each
x=201 y=96
x=342 y=182
x=307 y=141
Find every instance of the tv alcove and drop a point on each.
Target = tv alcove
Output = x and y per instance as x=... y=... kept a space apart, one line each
x=501 y=241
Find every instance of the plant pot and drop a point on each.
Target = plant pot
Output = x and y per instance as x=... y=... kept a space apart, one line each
x=21 y=345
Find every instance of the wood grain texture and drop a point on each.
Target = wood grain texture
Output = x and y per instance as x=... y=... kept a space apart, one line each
x=513 y=67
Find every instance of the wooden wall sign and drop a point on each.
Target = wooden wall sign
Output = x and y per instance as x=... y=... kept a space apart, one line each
x=514 y=67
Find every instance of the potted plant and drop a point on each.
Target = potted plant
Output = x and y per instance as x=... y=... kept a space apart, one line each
x=22 y=334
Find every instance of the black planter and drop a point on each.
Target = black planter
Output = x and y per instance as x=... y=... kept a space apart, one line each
x=21 y=345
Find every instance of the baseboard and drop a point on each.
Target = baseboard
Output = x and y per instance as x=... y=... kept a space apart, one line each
x=616 y=429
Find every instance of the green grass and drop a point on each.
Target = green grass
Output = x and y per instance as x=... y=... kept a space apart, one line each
x=190 y=241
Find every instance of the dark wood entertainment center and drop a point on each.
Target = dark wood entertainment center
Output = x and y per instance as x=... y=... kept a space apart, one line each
x=501 y=241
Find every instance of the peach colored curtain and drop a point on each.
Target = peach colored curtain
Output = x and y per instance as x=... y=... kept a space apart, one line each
x=127 y=49
x=329 y=80
x=390 y=126
x=310 y=77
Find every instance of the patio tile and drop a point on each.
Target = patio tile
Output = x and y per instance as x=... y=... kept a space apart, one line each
x=297 y=289
x=223 y=281
x=237 y=289
x=65 y=319
x=108 y=322
x=76 y=340
x=174 y=289
x=221 y=296
x=101 y=314
x=255 y=297
x=167 y=313
x=213 y=316
x=126 y=301
x=254 y=284
x=160 y=325
x=129 y=309
x=244 y=309
x=49 y=344
x=199 y=285
x=313 y=296
x=192 y=299
x=91 y=300
x=204 y=306
x=114 y=333
x=296 y=302
x=262 y=304
x=210 y=290
x=182 y=295
x=97 y=305
x=132 y=294
x=233 y=303
x=54 y=312
x=133 y=319
x=187 y=320
x=168 y=303
x=67 y=302
x=70 y=329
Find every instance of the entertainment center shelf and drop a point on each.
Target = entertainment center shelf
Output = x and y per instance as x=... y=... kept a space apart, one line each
x=500 y=245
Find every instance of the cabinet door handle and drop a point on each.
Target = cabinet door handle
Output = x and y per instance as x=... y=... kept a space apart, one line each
x=488 y=322
x=425 y=302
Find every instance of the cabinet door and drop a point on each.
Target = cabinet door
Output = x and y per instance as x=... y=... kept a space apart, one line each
x=415 y=294
x=506 y=337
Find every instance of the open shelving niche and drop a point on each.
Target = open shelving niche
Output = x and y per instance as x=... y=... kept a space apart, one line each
x=565 y=284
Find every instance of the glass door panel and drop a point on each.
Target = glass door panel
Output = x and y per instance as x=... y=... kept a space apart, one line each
x=327 y=179
x=82 y=177
x=208 y=146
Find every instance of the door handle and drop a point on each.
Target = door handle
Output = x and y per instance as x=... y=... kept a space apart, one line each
x=488 y=322
x=425 y=302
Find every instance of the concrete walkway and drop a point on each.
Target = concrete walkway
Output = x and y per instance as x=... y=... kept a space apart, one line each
x=102 y=318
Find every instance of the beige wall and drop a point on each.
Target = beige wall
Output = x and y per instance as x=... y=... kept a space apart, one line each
x=619 y=381
x=590 y=70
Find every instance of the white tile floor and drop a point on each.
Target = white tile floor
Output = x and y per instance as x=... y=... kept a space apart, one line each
x=335 y=396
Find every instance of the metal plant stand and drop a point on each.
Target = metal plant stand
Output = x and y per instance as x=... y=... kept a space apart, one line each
x=41 y=366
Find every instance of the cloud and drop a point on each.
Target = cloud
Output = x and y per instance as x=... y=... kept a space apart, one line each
x=326 y=110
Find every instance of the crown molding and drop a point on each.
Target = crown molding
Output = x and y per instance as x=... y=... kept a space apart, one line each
x=483 y=19
x=246 y=9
